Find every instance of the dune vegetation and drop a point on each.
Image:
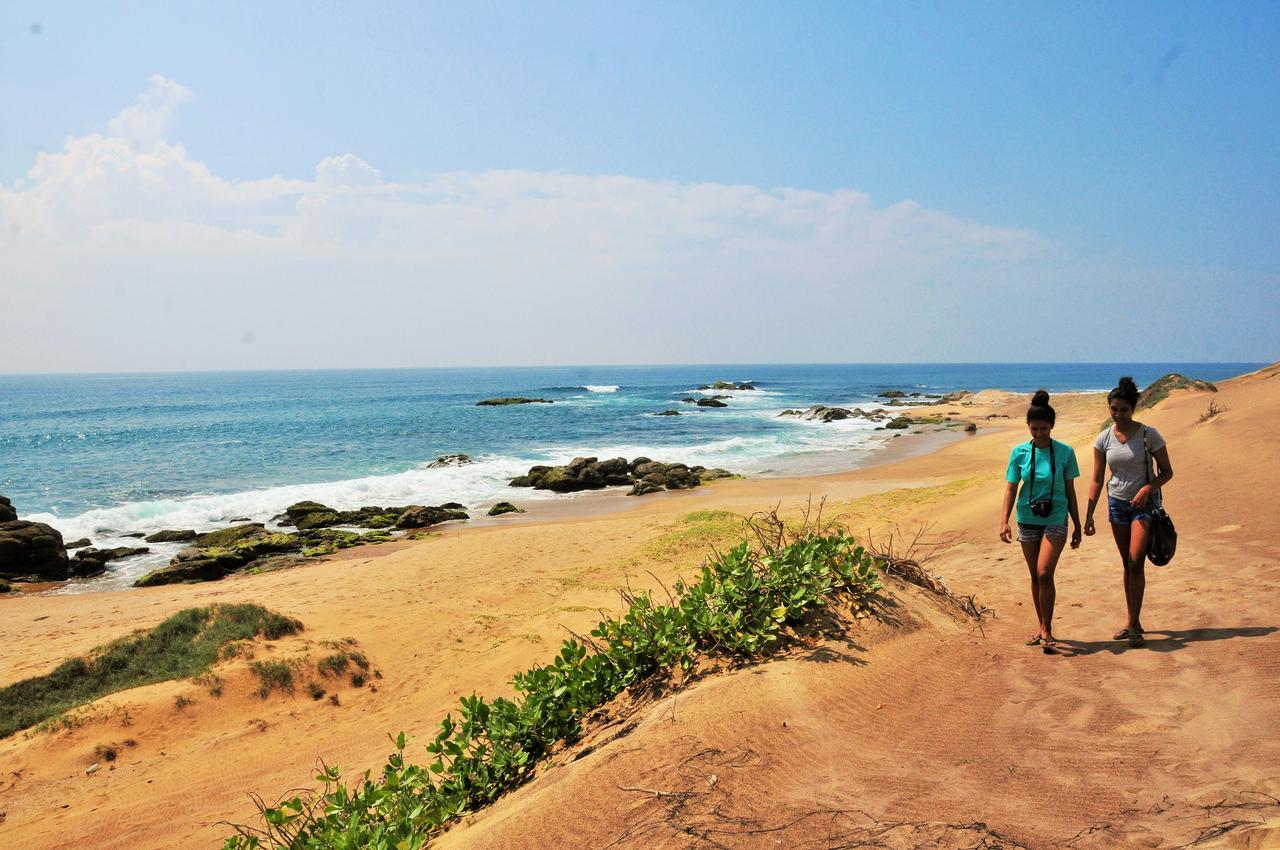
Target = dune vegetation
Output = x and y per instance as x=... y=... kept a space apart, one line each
x=738 y=607
x=185 y=645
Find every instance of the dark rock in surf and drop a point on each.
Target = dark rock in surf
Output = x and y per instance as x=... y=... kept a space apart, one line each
x=172 y=536
x=31 y=551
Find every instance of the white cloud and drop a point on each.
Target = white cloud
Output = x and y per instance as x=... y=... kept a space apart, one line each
x=346 y=170
x=147 y=120
x=499 y=266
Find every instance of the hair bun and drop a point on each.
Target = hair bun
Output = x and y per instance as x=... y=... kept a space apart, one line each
x=1040 y=399
x=1126 y=383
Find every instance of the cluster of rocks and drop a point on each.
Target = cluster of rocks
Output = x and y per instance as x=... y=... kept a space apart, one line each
x=642 y=474
x=900 y=398
x=728 y=385
x=822 y=413
x=216 y=554
x=506 y=400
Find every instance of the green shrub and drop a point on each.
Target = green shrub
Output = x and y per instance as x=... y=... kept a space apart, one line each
x=272 y=676
x=736 y=607
x=184 y=645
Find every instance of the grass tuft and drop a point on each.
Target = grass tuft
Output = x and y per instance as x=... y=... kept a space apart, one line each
x=187 y=644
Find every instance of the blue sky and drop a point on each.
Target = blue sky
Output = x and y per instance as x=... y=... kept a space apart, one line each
x=1098 y=147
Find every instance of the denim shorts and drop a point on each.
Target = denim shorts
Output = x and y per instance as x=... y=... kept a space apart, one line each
x=1123 y=513
x=1032 y=533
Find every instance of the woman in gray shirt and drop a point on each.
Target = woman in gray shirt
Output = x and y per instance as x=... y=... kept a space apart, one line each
x=1127 y=448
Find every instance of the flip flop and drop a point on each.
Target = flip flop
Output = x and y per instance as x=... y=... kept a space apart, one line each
x=1121 y=635
x=1035 y=640
x=1136 y=639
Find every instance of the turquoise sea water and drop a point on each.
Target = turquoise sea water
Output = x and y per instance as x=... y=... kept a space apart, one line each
x=102 y=456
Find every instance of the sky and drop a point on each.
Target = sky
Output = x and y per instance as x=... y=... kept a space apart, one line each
x=314 y=185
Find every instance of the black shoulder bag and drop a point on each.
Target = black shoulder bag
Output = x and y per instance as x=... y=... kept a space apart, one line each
x=1164 y=537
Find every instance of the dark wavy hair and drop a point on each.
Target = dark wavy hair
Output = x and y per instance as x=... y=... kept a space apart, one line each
x=1126 y=391
x=1040 y=411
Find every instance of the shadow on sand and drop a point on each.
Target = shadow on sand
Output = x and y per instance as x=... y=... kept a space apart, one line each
x=1162 y=640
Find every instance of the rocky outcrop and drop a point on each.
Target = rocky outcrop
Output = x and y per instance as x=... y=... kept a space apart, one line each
x=502 y=402
x=728 y=385
x=218 y=553
x=710 y=402
x=8 y=513
x=77 y=544
x=822 y=413
x=91 y=562
x=668 y=413
x=951 y=398
x=31 y=551
x=422 y=516
x=308 y=514
x=170 y=535
x=504 y=508
x=899 y=424
x=445 y=461
x=642 y=474
x=893 y=394
x=312 y=515
x=1160 y=388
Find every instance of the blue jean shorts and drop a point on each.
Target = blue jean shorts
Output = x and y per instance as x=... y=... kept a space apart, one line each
x=1123 y=513
x=1032 y=533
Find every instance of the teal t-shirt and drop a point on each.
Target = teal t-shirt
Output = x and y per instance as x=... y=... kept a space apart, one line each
x=1020 y=471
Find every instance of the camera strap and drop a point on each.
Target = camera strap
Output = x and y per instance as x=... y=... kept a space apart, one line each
x=1053 y=473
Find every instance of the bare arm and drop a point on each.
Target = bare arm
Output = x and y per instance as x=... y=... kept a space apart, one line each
x=1095 y=487
x=1010 y=491
x=1164 y=476
x=1073 y=508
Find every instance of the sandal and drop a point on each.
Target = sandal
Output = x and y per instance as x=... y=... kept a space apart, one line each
x=1136 y=639
x=1034 y=640
x=1122 y=634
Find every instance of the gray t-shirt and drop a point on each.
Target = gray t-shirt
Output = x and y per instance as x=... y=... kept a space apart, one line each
x=1126 y=460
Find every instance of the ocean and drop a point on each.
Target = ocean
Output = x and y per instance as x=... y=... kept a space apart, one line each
x=106 y=455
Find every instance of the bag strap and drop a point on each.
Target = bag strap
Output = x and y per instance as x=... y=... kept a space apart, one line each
x=1146 y=466
x=1031 y=485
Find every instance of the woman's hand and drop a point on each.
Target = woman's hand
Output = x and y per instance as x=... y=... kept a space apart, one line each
x=1088 y=526
x=1006 y=534
x=1075 y=538
x=1140 y=499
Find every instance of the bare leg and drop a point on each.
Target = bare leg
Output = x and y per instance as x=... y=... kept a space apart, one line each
x=1047 y=563
x=1121 y=534
x=1031 y=553
x=1135 y=572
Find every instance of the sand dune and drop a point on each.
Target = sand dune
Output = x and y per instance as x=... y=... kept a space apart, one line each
x=914 y=735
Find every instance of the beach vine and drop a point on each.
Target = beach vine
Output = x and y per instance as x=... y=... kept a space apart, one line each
x=738 y=607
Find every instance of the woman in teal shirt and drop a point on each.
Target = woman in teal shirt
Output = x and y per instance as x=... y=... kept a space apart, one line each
x=1046 y=470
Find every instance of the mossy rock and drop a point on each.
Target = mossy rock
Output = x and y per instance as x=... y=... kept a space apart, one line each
x=381 y=521
x=171 y=536
x=893 y=394
x=228 y=536
x=376 y=537
x=318 y=519
x=505 y=508
x=899 y=424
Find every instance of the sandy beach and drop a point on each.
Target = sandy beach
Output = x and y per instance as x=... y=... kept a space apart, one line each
x=920 y=731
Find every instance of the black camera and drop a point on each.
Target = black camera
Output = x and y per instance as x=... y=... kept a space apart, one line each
x=1041 y=507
